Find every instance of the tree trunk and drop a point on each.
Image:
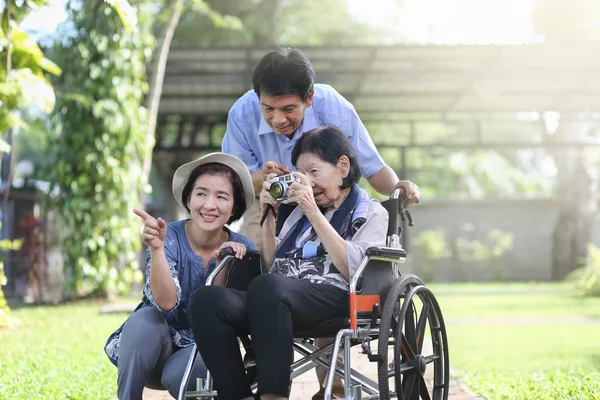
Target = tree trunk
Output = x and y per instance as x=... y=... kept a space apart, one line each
x=577 y=188
x=156 y=83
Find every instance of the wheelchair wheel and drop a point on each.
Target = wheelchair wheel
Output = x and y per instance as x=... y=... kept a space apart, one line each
x=419 y=368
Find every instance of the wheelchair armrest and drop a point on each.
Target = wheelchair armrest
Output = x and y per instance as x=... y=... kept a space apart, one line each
x=224 y=262
x=228 y=257
x=386 y=253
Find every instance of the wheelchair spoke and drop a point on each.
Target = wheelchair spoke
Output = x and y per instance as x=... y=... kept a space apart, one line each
x=408 y=385
x=424 y=392
x=410 y=331
x=407 y=351
x=404 y=368
x=421 y=326
x=431 y=358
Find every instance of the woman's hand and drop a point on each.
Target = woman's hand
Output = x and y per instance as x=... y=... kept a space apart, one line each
x=238 y=248
x=265 y=197
x=302 y=194
x=155 y=230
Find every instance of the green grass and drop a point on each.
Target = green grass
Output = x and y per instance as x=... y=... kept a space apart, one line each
x=557 y=301
x=57 y=353
x=503 y=360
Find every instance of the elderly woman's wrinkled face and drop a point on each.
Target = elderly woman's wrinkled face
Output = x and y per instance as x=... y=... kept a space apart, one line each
x=325 y=178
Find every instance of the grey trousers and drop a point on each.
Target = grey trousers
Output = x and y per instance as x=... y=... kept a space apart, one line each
x=148 y=357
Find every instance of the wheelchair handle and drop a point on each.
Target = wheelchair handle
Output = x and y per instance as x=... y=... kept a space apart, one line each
x=400 y=194
x=226 y=251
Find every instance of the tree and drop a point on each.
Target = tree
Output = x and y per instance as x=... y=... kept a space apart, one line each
x=565 y=22
x=272 y=22
x=22 y=84
x=576 y=194
x=101 y=144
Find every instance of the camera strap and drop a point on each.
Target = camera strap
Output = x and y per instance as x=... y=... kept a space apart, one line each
x=269 y=208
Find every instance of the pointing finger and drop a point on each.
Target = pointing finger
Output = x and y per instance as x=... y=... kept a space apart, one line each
x=142 y=214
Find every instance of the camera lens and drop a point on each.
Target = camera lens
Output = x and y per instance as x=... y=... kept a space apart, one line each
x=276 y=190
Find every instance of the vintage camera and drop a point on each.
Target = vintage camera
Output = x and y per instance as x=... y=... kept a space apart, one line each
x=280 y=185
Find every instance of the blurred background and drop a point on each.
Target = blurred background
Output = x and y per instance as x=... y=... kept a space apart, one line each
x=491 y=106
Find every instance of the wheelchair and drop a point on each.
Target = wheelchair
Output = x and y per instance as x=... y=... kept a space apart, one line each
x=396 y=310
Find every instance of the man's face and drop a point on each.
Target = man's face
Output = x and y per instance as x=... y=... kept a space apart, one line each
x=284 y=113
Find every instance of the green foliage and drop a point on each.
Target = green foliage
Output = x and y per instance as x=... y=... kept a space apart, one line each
x=474 y=250
x=31 y=143
x=587 y=278
x=23 y=84
x=6 y=245
x=101 y=146
x=433 y=244
x=489 y=252
x=126 y=13
x=268 y=22
x=459 y=172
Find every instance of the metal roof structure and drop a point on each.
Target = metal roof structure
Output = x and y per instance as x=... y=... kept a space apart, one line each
x=204 y=82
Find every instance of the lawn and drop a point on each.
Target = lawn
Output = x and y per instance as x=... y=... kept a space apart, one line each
x=504 y=360
x=57 y=353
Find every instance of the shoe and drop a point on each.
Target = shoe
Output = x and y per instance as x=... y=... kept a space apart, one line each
x=337 y=392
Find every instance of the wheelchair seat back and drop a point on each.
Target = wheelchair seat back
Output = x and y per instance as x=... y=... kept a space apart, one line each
x=379 y=276
x=241 y=272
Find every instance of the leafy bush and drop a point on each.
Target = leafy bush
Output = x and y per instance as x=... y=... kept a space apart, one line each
x=587 y=278
x=433 y=244
x=6 y=245
x=489 y=252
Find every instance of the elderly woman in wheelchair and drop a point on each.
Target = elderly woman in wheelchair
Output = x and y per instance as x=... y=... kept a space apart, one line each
x=332 y=272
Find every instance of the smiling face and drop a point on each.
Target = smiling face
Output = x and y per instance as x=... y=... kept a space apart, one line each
x=284 y=113
x=211 y=201
x=325 y=178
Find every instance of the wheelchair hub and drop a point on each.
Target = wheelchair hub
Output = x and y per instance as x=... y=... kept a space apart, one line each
x=420 y=364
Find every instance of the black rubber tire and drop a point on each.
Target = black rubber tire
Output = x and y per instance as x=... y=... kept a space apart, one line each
x=399 y=288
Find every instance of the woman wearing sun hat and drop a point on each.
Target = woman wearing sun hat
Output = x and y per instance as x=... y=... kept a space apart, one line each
x=152 y=347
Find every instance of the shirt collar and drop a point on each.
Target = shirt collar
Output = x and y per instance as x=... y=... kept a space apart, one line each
x=308 y=123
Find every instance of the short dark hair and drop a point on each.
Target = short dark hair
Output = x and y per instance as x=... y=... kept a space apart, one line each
x=329 y=144
x=284 y=71
x=239 y=200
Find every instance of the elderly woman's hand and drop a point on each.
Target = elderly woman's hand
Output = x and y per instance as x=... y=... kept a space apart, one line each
x=302 y=194
x=265 y=197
